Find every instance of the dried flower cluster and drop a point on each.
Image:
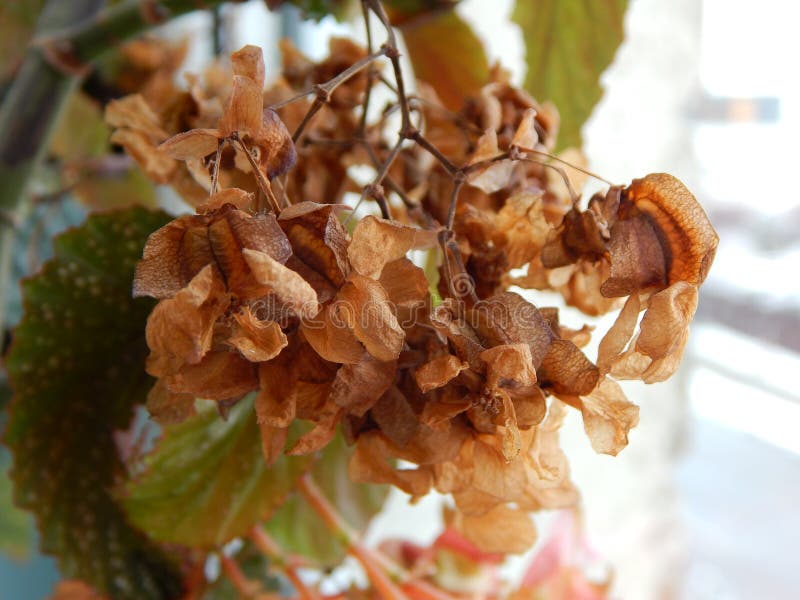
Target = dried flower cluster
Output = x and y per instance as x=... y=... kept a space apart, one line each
x=264 y=290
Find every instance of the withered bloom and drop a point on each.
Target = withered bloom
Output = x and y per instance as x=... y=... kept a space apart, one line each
x=345 y=331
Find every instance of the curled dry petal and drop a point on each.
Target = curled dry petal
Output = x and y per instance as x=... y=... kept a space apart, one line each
x=277 y=153
x=379 y=241
x=248 y=62
x=568 y=370
x=234 y=196
x=438 y=372
x=407 y=288
x=619 y=334
x=331 y=337
x=257 y=340
x=371 y=463
x=503 y=529
x=192 y=144
x=358 y=386
x=494 y=175
x=508 y=318
x=219 y=376
x=362 y=304
x=291 y=289
x=321 y=434
x=526 y=135
x=174 y=254
x=510 y=367
x=179 y=329
x=608 y=417
x=662 y=337
x=318 y=240
x=243 y=114
x=395 y=417
x=637 y=258
x=166 y=407
x=276 y=404
x=691 y=241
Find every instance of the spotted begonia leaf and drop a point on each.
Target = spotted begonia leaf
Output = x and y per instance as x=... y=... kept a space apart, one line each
x=207 y=481
x=76 y=367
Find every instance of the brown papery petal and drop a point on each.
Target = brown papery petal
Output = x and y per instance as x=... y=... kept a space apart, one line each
x=331 y=337
x=501 y=530
x=243 y=114
x=619 y=334
x=321 y=434
x=523 y=223
x=219 y=376
x=363 y=305
x=357 y=387
x=658 y=348
x=510 y=367
x=568 y=370
x=258 y=341
x=249 y=62
x=273 y=441
x=530 y=409
x=526 y=135
x=463 y=338
x=156 y=164
x=274 y=141
x=318 y=239
x=637 y=258
x=379 y=241
x=179 y=329
x=168 y=408
x=241 y=199
x=608 y=417
x=405 y=284
x=508 y=318
x=133 y=112
x=438 y=372
x=291 y=289
x=494 y=473
x=195 y=143
x=493 y=176
x=370 y=464
x=179 y=250
x=691 y=239
x=160 y=273
x=395 y=417
x=276 y=402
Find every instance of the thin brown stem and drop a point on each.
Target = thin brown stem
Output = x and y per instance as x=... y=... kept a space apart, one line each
x=215 y=168
x=245 y=587
x=393 y=54
x=270 y=548
x=324 y=91
x=565 y=162
x=261 y=179
x=377 y=567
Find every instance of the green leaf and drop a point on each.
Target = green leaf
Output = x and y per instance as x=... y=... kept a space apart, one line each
x=76 y=366
x=446 y=54
x=81 y=132
x=207 y=482
x=15 y=525
x=299 y=530
x=568 y=44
